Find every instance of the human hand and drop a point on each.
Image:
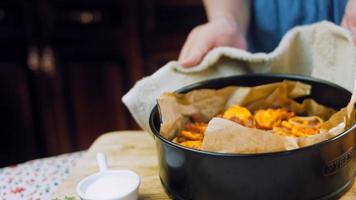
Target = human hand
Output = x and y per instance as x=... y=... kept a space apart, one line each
x=220 y=32
x=349 y=19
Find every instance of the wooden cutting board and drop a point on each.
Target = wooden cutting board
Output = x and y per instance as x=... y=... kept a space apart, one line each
x=133 y=150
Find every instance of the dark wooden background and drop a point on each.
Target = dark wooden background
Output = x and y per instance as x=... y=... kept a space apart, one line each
x=65 y=64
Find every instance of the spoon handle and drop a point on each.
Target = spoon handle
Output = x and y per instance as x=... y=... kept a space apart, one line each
x=101 y=160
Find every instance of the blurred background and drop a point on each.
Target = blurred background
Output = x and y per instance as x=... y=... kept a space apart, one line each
x=65 y=64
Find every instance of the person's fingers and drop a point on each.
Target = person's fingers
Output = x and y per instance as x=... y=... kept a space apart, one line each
x=353 y=31
x=350 y=25
x=192 y=60
x=195 y=54
x=197 y=45
x=197 y=51
x=207 y=36
x=241 y=43
x=232 y=38
x=187 y=44
x=343 y=22
x=349 y=19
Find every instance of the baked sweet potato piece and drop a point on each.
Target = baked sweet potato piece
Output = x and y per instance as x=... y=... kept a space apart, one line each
x=269 y=118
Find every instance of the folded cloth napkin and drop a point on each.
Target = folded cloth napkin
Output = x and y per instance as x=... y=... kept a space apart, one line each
x=322 y=50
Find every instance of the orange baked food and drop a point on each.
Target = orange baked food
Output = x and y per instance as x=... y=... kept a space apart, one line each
x=277 y=120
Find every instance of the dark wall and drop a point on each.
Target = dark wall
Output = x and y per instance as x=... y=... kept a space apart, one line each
x=65 y=64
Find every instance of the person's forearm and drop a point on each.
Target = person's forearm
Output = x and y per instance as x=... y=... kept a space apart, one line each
x=237 y=10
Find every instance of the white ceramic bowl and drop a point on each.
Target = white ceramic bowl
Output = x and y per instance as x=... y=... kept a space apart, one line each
x=109 y=184
x=127 y=184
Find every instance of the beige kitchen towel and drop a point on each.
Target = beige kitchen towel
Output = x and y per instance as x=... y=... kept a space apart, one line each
x=322 y=50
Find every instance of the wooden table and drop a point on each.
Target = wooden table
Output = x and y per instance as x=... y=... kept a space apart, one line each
x=133 y=150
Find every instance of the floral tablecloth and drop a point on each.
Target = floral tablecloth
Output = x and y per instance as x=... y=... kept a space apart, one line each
x=36 y=179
